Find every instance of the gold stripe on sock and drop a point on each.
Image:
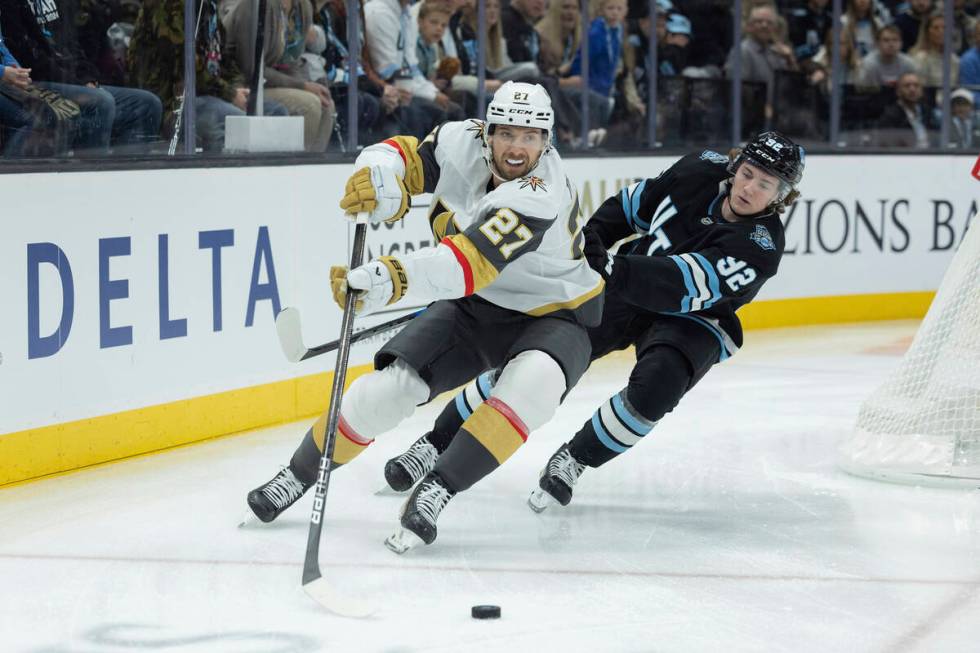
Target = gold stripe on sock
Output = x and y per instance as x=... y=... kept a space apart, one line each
x=494 y=432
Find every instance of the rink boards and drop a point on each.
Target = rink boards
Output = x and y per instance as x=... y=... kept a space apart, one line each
x=138 y=307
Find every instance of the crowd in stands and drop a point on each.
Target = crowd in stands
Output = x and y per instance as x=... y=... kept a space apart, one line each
x=99 y=77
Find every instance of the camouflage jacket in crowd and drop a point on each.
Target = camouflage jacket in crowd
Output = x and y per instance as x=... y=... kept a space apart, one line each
x=156 y=54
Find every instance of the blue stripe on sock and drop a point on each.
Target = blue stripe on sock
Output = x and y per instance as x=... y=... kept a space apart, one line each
x=604 y=437
x=464 y=410
x=483 y=385
x=620 y=411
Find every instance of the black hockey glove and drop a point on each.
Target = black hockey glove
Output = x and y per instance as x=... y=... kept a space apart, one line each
x=607 y=265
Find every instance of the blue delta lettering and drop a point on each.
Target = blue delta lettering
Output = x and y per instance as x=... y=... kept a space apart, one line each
x=117 y=289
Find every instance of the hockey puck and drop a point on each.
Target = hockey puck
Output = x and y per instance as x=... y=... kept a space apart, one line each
x=485 y=612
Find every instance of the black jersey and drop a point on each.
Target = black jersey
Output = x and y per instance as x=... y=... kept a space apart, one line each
x=688 y=260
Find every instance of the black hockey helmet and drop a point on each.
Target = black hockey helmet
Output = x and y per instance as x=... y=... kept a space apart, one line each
x=775 y=154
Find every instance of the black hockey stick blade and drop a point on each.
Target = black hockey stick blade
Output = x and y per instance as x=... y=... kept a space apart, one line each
x=313 y=582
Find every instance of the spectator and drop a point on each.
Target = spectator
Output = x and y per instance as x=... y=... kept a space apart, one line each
x=422 y=105
x=467 y=45
x=760 y=53
x=519 y=18
x=928 y=53
x=156 y=63
x=808 y=26
x=433 y=18
x=47 y=44
x=963 y=25
x=672 y=55
x=336 y=69
x=860 y=17
x=886 y=63
x=16 y=119
x=525 y=51
x=288 y=28
x=19 y=121
x=393 y=119
x=561 y=36
x=907 y=122
x=970 y=66
x=447 y=44
x=711 y=32
x=910 y=21
x=562 y=28
x=963 y=124
x=819 y=70
x=605 y=59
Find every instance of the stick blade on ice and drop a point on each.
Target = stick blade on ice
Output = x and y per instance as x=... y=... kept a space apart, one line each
x=344 y=606
x=290 y=333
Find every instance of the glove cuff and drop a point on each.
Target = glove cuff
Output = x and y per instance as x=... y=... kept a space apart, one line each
x=399 y=279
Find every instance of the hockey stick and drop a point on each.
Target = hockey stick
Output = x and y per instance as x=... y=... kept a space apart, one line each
x=313 y=582
x=290 y=331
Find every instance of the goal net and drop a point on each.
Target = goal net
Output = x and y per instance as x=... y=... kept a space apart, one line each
x=922 y=425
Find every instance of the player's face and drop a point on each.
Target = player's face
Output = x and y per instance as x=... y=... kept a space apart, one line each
x=753 y=189
x=516 y=150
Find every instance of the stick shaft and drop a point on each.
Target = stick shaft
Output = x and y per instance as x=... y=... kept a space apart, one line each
x=311 y=566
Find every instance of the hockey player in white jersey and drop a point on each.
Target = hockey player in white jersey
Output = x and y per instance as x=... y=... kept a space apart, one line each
x=511 y=286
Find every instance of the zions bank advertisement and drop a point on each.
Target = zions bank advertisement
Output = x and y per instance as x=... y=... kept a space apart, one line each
x=130 y=289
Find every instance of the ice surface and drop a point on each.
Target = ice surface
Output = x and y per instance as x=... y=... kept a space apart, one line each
x=731 y=529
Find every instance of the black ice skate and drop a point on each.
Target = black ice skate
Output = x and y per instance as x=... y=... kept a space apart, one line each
x=405 y=470
x=557 y=480
x=269 y=499
x=419 y=515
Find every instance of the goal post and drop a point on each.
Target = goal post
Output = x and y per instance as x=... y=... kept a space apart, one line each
x=922 y=426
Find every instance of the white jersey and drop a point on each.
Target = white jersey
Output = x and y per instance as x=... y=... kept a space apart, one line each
x=518 y=245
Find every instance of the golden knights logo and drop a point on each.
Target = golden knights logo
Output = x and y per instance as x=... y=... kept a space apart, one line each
x=476 y=128
x=533 y=182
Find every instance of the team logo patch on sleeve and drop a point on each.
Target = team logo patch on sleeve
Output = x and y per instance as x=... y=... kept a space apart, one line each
x=714 y=157
x=476 y=128
x=533 y=183
x=763 y=238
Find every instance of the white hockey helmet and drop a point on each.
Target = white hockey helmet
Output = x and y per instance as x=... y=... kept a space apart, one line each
x=522 y=105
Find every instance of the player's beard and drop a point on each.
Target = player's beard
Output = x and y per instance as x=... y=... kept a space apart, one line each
x=509 y=173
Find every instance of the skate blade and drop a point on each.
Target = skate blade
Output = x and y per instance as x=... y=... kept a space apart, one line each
x=540 y=500
x=402 y=541
x=387 y=491
x=248 y=520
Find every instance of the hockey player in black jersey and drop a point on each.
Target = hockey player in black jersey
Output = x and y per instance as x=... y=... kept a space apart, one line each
x=706 y=237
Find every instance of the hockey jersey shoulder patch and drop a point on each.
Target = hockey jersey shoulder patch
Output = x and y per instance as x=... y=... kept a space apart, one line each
x=534 y=183
x=763 y=238
x=714 y=157
x=476 y=128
